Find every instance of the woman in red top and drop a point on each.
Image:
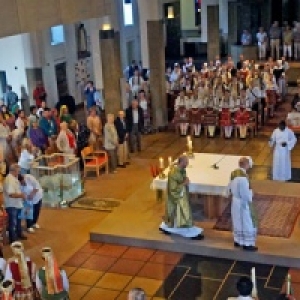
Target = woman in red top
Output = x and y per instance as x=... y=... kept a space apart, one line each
x=39 y=94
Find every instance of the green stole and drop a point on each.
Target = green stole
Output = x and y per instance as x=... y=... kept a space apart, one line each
x=240 y=173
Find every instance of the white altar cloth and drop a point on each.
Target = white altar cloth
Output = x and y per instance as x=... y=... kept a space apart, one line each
x=204 y=179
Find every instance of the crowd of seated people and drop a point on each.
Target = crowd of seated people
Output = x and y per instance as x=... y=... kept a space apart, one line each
x=225 y=96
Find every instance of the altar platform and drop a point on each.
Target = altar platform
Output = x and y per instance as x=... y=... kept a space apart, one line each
x=135 y=223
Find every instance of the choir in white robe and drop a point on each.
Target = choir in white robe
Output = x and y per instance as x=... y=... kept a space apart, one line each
x=244 y=228
x=282 y=167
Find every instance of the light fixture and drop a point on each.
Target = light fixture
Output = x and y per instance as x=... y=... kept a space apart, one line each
x=170 y=12
x=106 y=24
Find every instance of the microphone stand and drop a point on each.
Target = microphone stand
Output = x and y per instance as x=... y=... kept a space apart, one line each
x=215 y=165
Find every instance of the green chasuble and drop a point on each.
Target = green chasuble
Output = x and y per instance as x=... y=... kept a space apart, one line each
x=178 y=211
x=240 y=173
x=45 y=296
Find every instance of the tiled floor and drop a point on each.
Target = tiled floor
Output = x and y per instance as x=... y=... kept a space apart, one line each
x=107 y=272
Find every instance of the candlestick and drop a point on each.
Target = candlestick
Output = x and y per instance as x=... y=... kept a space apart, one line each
x=288 y=285
x=253 y=279
x=161 y=163
x=188 y=138
x=170 y=160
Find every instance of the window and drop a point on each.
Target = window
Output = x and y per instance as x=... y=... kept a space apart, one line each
x=57 y=35
x=197 y=12
x=127 y=12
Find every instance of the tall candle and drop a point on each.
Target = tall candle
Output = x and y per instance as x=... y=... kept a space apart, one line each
x=253 y=279
x=190 y=145
x=170 y=160
x=188 y=138
x=288 y=285
x=161 y=163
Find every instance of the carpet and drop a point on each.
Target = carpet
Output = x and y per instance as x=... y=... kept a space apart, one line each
x=277 y=215
x=100 y=204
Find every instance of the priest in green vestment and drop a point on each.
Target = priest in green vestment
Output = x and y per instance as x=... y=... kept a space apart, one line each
x=178 y=215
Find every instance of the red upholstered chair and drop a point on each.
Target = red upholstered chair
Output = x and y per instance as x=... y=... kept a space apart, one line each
x=94 y=160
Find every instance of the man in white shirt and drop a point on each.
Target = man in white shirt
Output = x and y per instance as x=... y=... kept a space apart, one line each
x=262 y=39
x=13 y=202
x=35 y=195
x=244 y=287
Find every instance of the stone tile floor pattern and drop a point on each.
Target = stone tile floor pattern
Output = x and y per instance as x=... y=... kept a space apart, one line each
x=108 y=272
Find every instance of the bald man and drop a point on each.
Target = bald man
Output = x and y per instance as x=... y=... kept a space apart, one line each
x=178 y=215
x=244 y=221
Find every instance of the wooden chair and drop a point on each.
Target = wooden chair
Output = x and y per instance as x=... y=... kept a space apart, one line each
x=94 y=160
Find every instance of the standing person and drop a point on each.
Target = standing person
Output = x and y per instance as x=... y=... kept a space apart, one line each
x=275 y=36
x=35 y=196
x=39 y=94
x=111 y=142
x=283 y=141
x=13 y=202
x=120 y=124
x=94 y=124
x=296 y=38
x=262 y=39
x=66 y=141
x=287 y=39
x=178 y=215
x=48 y=125
x=82 y=141
x=246 y=38
x=135 y=125
x=242 y=212
x=5 y=137
x=28 y=154
x=244 y=287
x=10 y=98
x=52 y=283
x=136 y=83
x=22 y=270
x=89 y=92
x=37 y=137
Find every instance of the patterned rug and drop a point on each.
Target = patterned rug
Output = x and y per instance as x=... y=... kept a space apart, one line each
x=100 y=204
x=277 y=215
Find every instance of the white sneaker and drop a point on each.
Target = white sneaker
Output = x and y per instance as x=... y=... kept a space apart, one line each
x=36 y=226
x=31 y=230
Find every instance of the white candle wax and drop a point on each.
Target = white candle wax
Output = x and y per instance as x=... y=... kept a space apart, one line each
x=288 y=285
x=253 y=279
x=190 y=144
x=161 y=163
x=188 y=138
x=170 y=160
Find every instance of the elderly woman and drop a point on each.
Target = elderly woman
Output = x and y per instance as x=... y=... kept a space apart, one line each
x=94 y=124
x=66 y=141
x=28 y=153
x=111 y=142
x=37 y=136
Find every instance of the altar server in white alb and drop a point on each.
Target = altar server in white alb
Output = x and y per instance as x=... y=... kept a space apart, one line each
x=283 y=141
x=244 y=221
x=178 y=214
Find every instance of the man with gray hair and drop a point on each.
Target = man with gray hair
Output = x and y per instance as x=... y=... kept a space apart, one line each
x=13 y=202
x=178 y=215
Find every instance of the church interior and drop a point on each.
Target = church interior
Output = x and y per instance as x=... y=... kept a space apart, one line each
x=110 y=243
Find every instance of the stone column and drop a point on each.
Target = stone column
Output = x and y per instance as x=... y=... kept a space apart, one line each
x=232 y=25
x=223 y=25
x=213 y=32
x=156 y=50
x=111 y=70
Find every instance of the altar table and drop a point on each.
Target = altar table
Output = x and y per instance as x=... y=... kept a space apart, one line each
x=209 y=175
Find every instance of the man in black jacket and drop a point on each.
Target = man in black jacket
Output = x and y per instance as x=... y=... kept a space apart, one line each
x=135 y=125
x=120 y=124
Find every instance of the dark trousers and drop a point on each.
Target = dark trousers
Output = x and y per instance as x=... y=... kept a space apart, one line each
x=14 y=223
x=259 y=108
x=36 y=214
x=135 y=139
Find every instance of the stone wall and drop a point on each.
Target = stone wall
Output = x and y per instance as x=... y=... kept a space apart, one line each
x=20 y=16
